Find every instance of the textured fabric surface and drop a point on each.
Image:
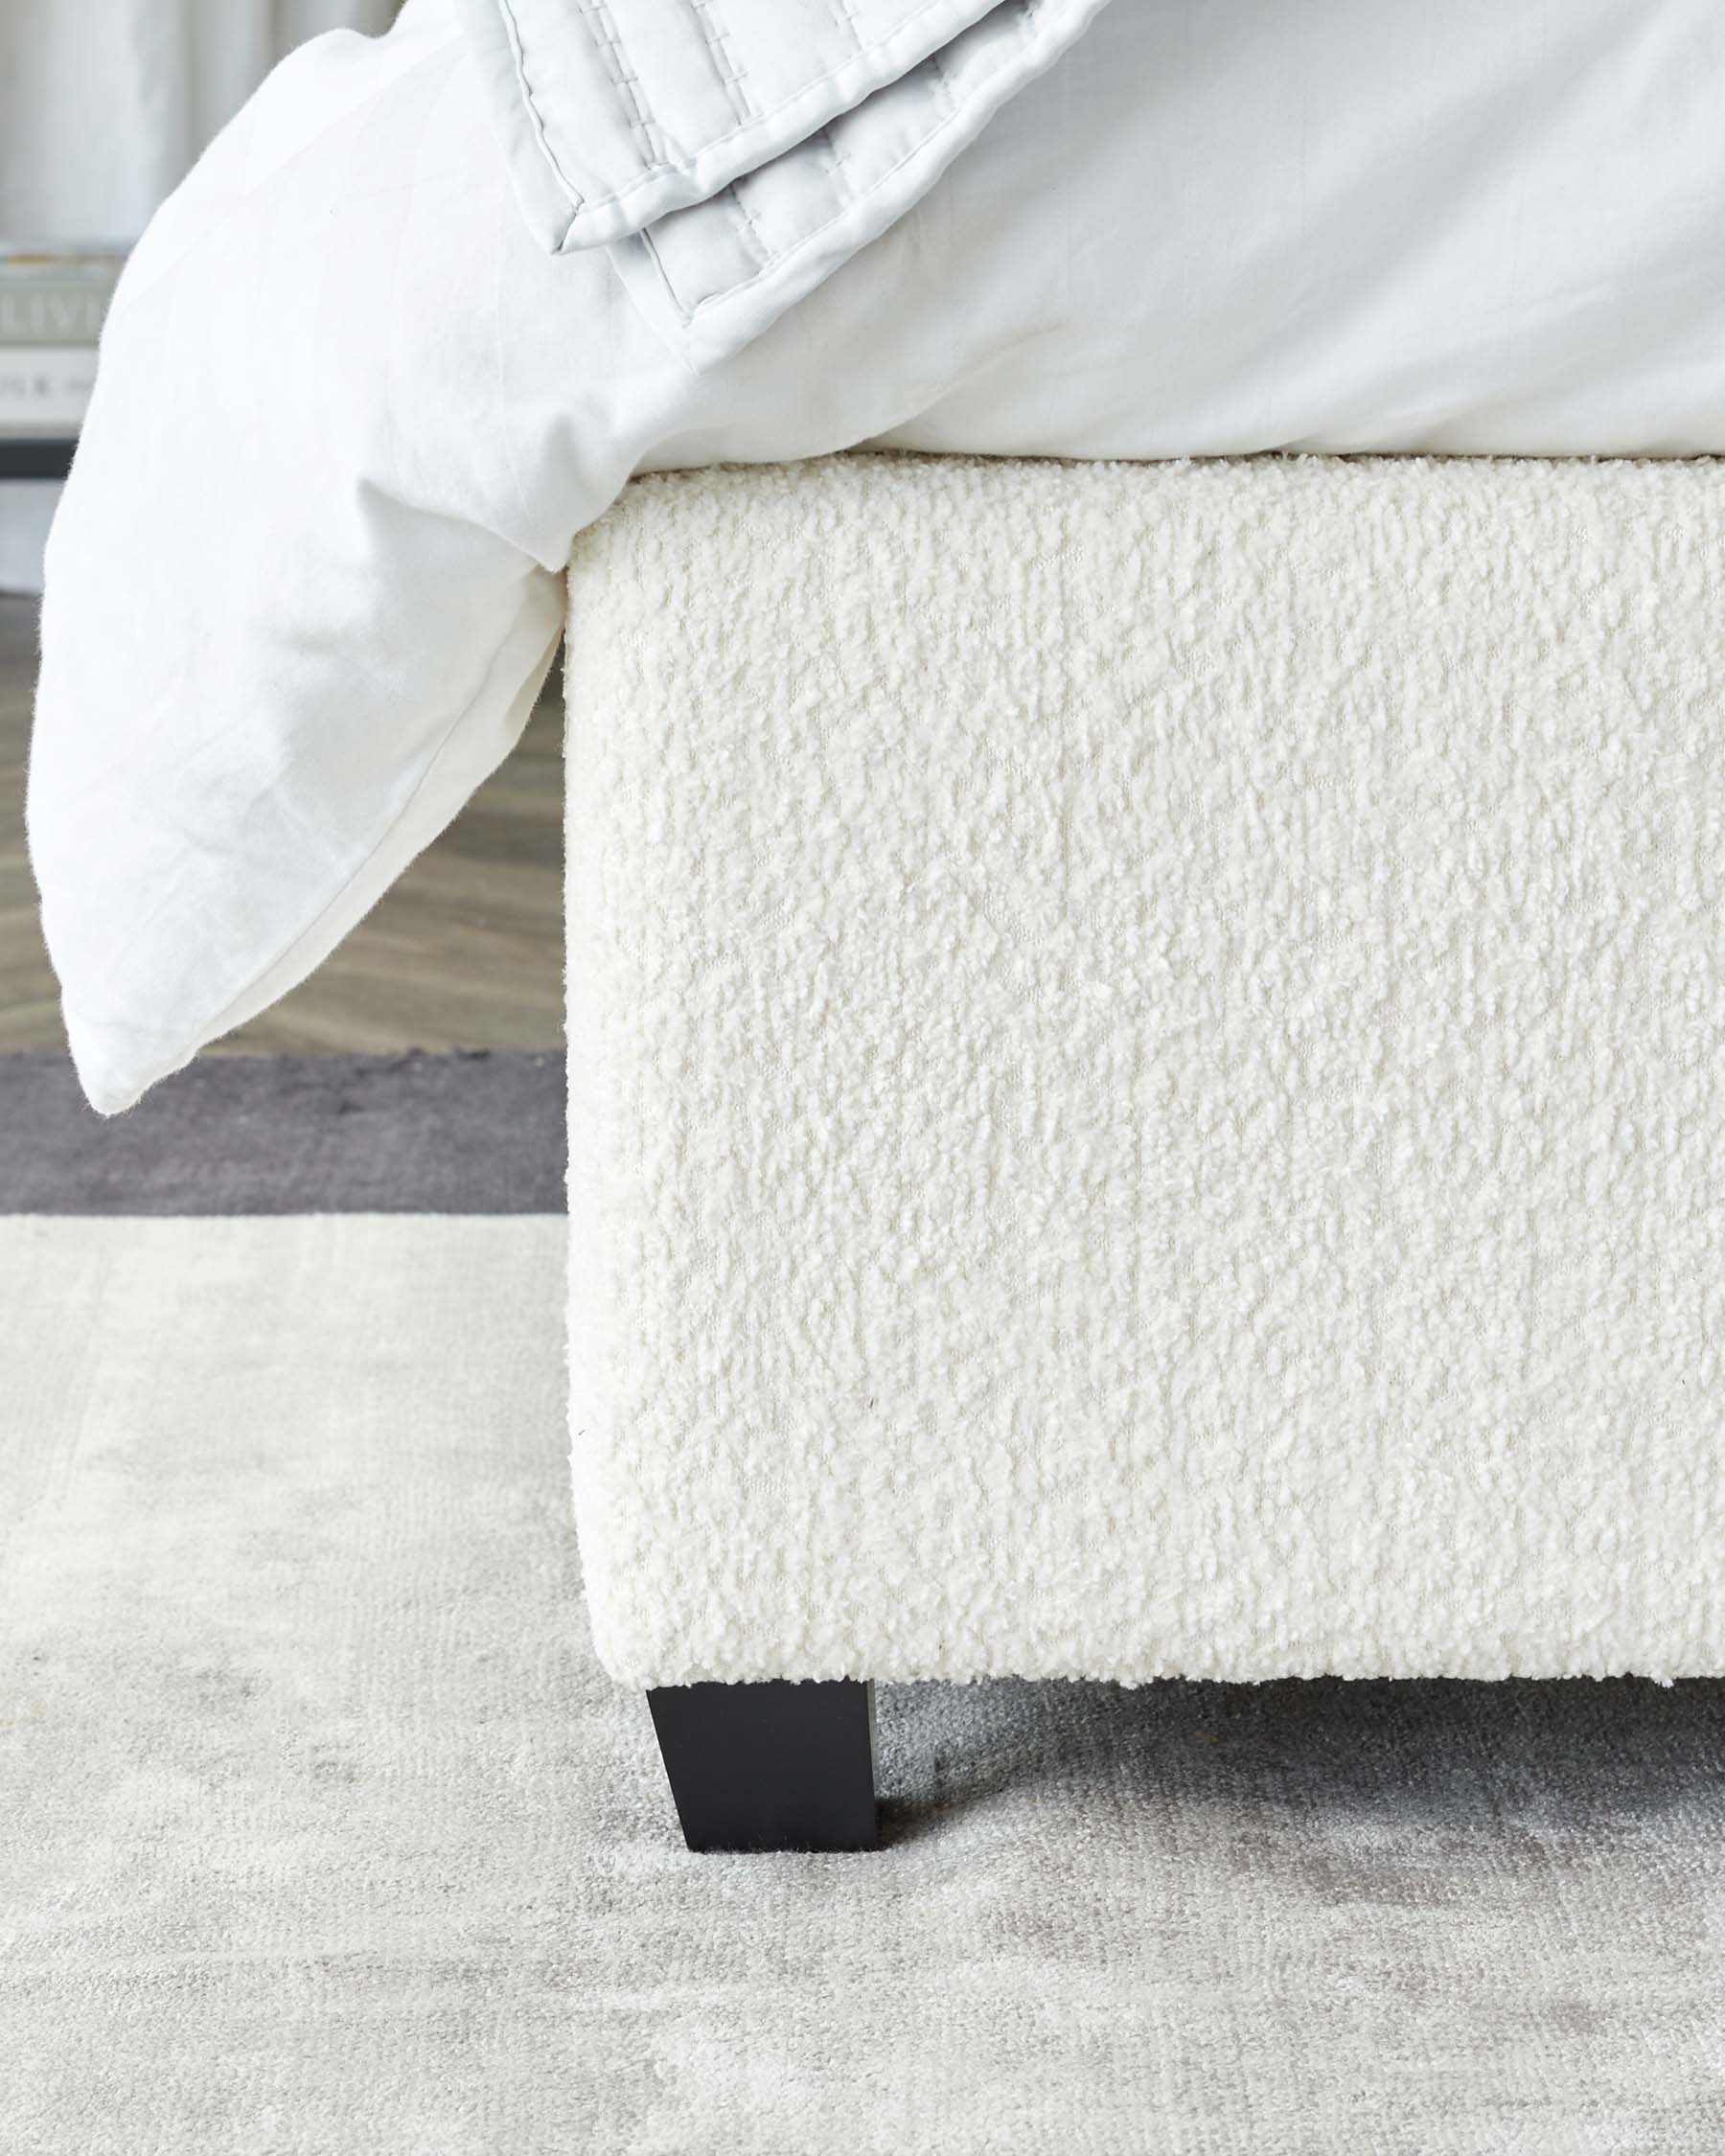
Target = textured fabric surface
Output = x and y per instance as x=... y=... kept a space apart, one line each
x=1151 y=1078
x=324 y=1833
x=409 y=1134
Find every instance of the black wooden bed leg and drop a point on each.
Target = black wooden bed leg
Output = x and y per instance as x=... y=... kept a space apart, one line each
x=771 y=1766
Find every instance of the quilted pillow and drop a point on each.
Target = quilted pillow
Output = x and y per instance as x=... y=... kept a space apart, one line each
x=732 y=160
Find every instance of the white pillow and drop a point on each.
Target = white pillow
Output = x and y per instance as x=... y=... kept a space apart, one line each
x=278 y=651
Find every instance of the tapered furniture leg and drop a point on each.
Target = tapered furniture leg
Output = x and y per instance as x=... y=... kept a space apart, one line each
x=770 y=1766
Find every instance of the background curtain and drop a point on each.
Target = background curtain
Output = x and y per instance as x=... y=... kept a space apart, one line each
x=104 y=106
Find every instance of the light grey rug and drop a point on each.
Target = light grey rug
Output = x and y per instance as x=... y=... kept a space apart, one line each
x=320 y=1832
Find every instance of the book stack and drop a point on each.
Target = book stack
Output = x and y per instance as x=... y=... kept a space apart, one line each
x=52 y=305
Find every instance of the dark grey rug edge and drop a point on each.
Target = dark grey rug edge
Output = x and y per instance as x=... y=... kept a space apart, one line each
x=417 y=1133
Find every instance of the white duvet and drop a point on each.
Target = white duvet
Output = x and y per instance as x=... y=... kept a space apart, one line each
x=424 y=307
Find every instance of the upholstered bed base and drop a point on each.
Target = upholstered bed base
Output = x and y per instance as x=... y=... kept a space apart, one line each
x=1147 y=1070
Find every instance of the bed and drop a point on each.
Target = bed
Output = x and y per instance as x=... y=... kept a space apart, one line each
x=1147 y=1086
x=353 y=409
x=386 y=362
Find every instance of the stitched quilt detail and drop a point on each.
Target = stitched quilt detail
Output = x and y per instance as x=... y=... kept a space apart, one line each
x=730 y=157
x=637 y=121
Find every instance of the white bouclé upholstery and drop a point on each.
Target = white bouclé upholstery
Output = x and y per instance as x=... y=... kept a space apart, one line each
x=1147 y=1059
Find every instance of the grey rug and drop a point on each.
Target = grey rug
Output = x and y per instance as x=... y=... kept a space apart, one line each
x=322 y=1832
x=456 y=1134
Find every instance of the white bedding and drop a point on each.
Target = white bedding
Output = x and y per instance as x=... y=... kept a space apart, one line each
x=353 y=410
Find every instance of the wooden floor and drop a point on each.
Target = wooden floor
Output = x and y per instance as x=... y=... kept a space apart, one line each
x=466 y=951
